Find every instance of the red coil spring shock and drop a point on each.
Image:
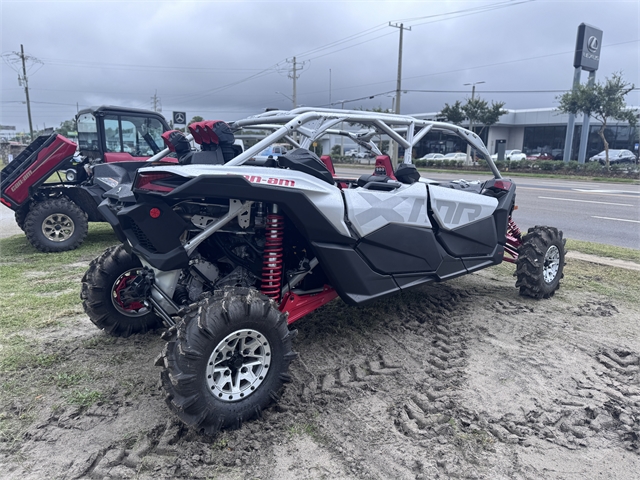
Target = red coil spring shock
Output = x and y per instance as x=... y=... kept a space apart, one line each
x=272 y=257
x=514 y=240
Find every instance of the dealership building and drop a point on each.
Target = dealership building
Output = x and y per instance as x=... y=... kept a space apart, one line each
x=535 y=131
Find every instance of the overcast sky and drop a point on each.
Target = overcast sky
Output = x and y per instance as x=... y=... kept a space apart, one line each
x=227 y=59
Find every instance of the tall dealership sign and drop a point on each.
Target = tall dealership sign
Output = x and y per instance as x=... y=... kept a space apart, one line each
x=587 y=57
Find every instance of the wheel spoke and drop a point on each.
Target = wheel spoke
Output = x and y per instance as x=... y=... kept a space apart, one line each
x=253 y=363
x=248 y=376
x=222 y=382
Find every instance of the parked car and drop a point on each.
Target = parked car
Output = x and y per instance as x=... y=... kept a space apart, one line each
x=540 y=156
x=511 y=155
x=272 y=151
x=615 y=156
x=432 y=156
x=457 y=156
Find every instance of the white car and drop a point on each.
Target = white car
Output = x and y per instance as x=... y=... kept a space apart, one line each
x=357 y=154
x=455 y=156
x=432 y=156
x=511 y=155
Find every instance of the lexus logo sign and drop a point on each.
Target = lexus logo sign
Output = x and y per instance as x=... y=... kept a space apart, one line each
x=588 y=42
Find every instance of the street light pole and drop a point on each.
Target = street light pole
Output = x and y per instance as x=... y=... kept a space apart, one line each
x=473 y=94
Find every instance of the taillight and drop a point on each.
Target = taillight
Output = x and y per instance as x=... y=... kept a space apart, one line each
x=158 y=182
x=503 y=184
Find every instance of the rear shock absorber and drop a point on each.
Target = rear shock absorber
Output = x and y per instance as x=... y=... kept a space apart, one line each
x=272 y=258
x=514 y=240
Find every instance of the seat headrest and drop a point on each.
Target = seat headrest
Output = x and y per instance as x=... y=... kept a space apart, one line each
x=407 y=173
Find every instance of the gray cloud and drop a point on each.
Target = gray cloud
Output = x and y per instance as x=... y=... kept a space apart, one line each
x=227 y=59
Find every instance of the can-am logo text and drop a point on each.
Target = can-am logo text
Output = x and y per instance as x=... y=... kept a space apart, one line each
x=281 y=182
x=593 y=44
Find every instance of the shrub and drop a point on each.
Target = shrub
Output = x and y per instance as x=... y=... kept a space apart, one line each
x=572 y=166
x=621 y=167
x=592 y=167
x=445 y=163
x=548 y=165
x=421 y=163
x=524 y=164
x=501 y=164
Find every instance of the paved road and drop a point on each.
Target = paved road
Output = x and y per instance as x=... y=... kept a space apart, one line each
x=8 y=226
x=599 y=212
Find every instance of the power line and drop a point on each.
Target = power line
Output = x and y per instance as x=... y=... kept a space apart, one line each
x=450 y=15
x=123 y=66
x=475 y=67
x=479 y=9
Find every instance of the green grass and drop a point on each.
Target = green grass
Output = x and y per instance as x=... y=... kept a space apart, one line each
x=41 y=289
x=601 y=250
x=84 y=397
x=611 y=282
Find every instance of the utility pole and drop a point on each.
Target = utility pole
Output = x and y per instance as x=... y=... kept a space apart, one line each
x=399 y=80
x=342 y=136
x=157 y=105
x=26 y=89
x=473 y=94
x=295 y=89
x=398 y=84
x=297 y=67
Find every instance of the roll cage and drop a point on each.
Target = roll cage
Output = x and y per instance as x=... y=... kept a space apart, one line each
x=303 y=126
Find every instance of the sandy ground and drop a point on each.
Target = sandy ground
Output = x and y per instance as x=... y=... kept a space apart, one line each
x=464 y=379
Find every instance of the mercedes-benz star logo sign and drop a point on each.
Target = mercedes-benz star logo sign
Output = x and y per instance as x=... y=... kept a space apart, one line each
x=593 y=44
x=180 y=118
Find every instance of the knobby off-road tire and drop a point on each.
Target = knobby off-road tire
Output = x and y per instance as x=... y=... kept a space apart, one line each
x=56 y=225
x=228 y=362
x=540 y=263
x=101 y=294
x=21 y=215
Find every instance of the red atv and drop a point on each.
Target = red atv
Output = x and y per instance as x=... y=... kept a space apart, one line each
x=54 y=186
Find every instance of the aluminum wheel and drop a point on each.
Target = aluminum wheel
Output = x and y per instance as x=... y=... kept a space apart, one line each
x=551 y=264
x=123 y=298
x=238 y=365
x=58 y=227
